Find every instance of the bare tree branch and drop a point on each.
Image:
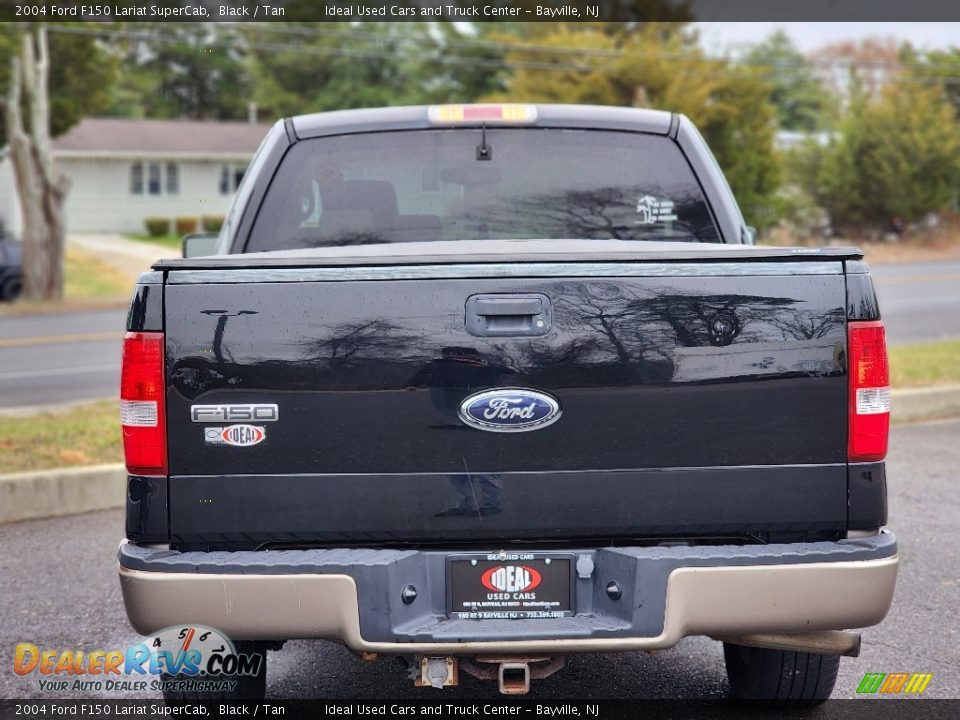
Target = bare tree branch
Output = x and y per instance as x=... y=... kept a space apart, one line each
x=40 y=111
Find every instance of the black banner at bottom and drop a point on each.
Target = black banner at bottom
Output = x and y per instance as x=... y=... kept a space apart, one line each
x=866 y=709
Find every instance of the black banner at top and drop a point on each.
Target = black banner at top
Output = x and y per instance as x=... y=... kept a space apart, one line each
x=65 y=11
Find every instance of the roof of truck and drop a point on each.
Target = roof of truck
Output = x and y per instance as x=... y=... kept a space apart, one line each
x=417 y=117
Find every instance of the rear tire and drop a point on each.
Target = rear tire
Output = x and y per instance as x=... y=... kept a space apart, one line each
x=248 y=687
x=781 y=678
x=10 y=289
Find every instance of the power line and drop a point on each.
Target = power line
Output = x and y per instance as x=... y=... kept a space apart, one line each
x=414 y=53
x=764 y=61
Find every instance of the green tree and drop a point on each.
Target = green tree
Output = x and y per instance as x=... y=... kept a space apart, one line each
x=896 y=155
x=801 y=100
x=190 y=70
x=937 y=67
x=332 y=66
x=81 y=74
x=463 y=64
x=658 y=65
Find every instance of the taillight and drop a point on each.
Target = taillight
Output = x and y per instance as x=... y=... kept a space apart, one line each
x=142 y=408
x=869 y=391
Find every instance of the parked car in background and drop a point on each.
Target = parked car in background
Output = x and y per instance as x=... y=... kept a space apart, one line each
x=11 y=267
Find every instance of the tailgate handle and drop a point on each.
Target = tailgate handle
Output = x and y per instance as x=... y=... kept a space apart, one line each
x=508 y=306
x=528 y=315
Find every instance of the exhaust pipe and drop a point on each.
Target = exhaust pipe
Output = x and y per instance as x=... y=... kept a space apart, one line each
x=827 y=642
x=514 y=678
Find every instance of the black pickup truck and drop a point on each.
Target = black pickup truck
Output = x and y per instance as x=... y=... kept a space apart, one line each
x=485 y=386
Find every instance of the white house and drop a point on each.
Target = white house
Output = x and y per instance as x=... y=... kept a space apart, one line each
x=123 y=171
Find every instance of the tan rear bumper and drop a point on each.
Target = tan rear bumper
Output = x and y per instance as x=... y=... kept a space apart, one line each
x=715 y=601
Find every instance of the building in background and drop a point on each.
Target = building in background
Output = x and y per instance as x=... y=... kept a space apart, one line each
x=123 y=171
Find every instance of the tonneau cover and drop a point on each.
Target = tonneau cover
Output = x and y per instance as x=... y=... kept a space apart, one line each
x=511 y=251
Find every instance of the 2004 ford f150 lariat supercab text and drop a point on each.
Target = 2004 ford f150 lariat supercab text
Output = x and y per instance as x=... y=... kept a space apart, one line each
x=486 y=386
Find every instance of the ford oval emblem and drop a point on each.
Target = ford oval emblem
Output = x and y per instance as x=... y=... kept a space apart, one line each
x=509 y=410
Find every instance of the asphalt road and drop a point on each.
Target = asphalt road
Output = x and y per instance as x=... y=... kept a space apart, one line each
x=49 y=359
x=919 y=302
x=58 y=589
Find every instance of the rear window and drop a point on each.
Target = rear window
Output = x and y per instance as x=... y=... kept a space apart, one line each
x=428 y=185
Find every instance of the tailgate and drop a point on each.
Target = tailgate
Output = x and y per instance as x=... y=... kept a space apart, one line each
x=694 y=399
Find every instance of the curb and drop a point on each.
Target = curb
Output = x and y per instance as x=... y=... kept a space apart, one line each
x=935 y=403
x=47 y=493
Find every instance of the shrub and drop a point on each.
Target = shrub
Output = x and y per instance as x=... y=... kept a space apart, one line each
x=185 y=225
x=211 y=223
x=897 y=155
x=157 y=227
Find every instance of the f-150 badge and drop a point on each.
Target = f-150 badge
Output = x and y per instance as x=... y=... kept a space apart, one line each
x=237 y=435
x=509 y=410
x=233 y=413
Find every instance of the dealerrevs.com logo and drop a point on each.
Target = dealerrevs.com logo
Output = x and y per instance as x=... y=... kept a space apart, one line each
x=189 y=658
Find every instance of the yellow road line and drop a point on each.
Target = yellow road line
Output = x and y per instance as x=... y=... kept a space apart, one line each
x=60 y=339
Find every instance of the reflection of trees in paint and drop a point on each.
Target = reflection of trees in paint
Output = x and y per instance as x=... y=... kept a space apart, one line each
x=806 y=324
x=346 y=343
x=639 y=331
x=606 y=332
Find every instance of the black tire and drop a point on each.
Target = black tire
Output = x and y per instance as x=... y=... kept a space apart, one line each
x=10 y=288
x=248 y=687
x=780 y=678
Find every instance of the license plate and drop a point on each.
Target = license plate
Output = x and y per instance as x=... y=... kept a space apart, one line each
x=510 y=587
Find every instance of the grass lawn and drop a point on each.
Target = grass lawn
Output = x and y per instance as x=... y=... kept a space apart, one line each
x=84 y=435
x=173 y=241
x=936 y=363
x=87 y=278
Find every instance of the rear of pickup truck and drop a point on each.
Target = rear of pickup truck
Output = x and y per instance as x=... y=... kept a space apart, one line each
x=488 y=454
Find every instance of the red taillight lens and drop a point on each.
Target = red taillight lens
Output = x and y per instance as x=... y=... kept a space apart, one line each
x=142 y=408
x=869 y=391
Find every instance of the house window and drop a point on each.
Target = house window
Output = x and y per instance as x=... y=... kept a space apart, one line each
x=173 y=179
x=136 y=179
x=230 y=177
x=225 y=180
x=153 y=179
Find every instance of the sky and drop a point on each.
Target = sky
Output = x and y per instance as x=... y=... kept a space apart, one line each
x=811 y=35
